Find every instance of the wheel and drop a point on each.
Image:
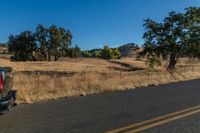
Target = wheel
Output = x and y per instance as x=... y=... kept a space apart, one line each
x=11 y=104
x=9 y=107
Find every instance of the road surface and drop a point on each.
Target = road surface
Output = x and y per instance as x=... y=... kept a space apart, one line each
x=158 y=109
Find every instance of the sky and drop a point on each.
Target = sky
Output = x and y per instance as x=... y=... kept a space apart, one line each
x=93 y=23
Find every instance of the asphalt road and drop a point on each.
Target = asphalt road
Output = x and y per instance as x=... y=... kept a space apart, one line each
x=108 y=111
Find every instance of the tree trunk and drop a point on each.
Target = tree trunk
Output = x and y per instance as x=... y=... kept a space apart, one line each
x=172 y=62
x=49 y=58
x=48 y=53
x=56 y=58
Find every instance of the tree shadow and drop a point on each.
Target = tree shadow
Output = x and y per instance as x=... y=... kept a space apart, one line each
x=126 y=67
x=48 y=73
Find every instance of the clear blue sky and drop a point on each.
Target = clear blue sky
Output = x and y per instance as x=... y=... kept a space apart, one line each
x=93 y=23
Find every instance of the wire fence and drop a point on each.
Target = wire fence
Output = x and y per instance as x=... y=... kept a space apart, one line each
x=59 y=84
x=148 y=74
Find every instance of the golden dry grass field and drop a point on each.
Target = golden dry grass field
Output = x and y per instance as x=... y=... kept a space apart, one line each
x=38 y=81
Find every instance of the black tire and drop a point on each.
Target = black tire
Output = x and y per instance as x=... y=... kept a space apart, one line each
x=9 y=106
x=5 y=111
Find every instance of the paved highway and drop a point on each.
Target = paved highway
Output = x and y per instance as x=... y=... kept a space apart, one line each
x=170 y=108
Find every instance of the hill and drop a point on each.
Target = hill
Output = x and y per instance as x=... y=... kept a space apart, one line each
x=129 y=50
x=36 y=81
x=126 y=50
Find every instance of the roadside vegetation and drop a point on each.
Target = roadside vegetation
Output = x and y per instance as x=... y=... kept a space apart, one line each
x=38 y=81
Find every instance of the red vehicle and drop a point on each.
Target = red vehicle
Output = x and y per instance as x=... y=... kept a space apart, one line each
x=7 y=94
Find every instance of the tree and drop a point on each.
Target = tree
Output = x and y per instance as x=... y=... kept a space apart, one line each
x=108 y=53
x=43 y=52
x=53 y=42
x=96 y=54
x=42 y=45
x=116 y=53
x=169 y=39
x=192 y=28
x=59 y=41
x=75 y=51
x=23 y=46
x=86 y=54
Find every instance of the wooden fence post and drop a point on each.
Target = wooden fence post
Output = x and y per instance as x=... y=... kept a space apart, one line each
x=38 y=88
x=148 y=74
x=120 y=77
x=55 y=76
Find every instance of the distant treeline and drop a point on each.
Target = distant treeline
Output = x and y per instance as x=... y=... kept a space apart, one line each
x=105 y=53
x=52 y=43
x=111 y=53
x=45 y=44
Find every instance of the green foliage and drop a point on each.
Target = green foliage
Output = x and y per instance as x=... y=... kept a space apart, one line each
x=22 y=46
x=43 y=52
x=153 y=61
x=53 y=41
x=105 y=53
x=75 y=52
x=43 y=45
x=97 y=54
x=86 y=54
x=116 y=54
x=192 y=34
x=178 y=35
x=108 y=53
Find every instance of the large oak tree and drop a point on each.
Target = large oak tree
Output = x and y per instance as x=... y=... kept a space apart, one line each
x=176 y=36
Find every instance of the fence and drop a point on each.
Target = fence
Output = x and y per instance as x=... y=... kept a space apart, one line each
x=36 y=86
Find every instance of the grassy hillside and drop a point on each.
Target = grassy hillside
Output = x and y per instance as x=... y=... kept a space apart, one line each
x=36 y=81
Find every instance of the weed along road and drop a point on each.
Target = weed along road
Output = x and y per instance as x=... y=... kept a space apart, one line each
x=170 y=108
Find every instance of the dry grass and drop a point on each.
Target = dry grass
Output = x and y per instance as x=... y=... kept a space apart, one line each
x=87 y=76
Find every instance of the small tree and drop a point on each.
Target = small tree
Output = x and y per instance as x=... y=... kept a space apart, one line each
x=23 y=46
x=86 y=54
x=109 y=53
x=75 y=52
x=106 y=53
x=116 y=53
x=96 y=54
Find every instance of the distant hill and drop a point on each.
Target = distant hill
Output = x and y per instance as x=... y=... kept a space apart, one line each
x=95 y=50
x=127 y=50
x=130 y=49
